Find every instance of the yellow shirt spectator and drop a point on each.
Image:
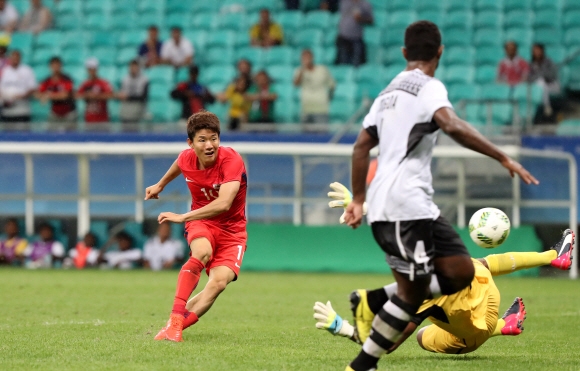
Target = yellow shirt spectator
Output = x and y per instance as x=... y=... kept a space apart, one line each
x=266 y=33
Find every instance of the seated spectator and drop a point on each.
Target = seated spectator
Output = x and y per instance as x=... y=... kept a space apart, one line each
x=316 y=87
x=58 y=89
x=127 y=257
x=235 y=95
x=133 y=94
x=45 y=252
x=544 y=72
x=266 y=33
x=8 y=16
x=354 y=15
x=12 y=248
x=96 y=92
x=292 y=4
x=192 y=94
x=244 y=68
x=17 y=86
x=162 y=251
x=513 y=69
x=4 y=42
x=262 y=97
x=37 y=19
x=85 y=253
x=150 y=50
x=177 y=50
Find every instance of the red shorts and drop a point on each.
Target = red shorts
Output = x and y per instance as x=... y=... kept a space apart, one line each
x=227 y=248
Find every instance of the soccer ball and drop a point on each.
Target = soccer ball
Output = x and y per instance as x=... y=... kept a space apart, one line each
x=489 y=227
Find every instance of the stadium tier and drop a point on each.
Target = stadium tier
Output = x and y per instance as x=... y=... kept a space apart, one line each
x=473 y=33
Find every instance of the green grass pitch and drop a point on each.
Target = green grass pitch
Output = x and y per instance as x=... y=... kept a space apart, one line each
x=106 y=320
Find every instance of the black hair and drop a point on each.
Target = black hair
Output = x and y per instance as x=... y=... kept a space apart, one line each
x=422 y=41
x=55 y=59
x=124 y=236
x=510 y=42
x=194 y=70
x=12 y=221
x=153 y=27
x=46 y=226
x=175 y=28
x=202 y=120
x=265 y=10
x=134 y=61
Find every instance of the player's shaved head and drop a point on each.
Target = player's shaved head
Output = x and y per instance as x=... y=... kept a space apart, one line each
x=422 y=41
x=202 y=120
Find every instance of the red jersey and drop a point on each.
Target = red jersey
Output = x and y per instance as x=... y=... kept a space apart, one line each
x=204 y=185
x=96 y=110
x=60 y=84
x=513 y=71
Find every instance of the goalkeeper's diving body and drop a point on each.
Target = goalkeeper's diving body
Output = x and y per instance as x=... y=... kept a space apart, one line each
x=463 y=321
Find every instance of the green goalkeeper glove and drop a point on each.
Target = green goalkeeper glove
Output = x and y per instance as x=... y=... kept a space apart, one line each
x=341 y=198
x=327 y=319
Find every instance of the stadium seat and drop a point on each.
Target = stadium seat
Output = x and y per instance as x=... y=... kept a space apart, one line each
x=43 y=55
x=280 y=55
x=224 y=39
x=131 y=38
x=40 y=110
x=548 y=36
x=488 y=19
x=429 y=6
x=458 y=19
x=255 y=6
x=497 y=113
x=163 y=74
x=522 y=92
x=435 y=16
x=517 y=4
x=556 y=52
x=177 y=20
x=393 y=37
x=105 y=55
x=547 y=18
x=100 y=228
x=329 y=56
x=69 y=23
x=21 y=41
x=519 y=18
x=485 y=74
x=147 y=19
x=458 y=92
x=97 y=6
x=342 y=73
x=178 y=6
x=569 y=5
x=198 y=38
x=96 y=39
x=254 y=55
x=379 y=5
x=346 y=91
x=122 y=22
x=369 y=90
x=308 y=38
x=281 y=73
x=391 y=71
x=571 y=19
x=125 y=55
x=48 y=39
x=572 y=37
x=164 y=111
x=217 y=74
x=456 y=37
x=159 y=91
x=109 y=73
x=488 y=56
x=547 y=5
x=285 y=91
x=341 y=110
x=372 y=37
x=488 y=37
x=96 y=21
x=205 y=21
x=451 y=5
x=524 y=36
x=375 y=55
x=401 y=5
x=233 y=21
x=317 y=19
x=290 y=20
x=221 y=111
x=151 y=6
x=369 y=73
x=123 y=7
x=218 y=56
x=488 y=5
x=401 y=19
x=465 y=56
x=204 y=6
x=242 y=40
x=459 y=75
x=69 y=8
x=42 y=71
x=73 y=56
x=495 y=91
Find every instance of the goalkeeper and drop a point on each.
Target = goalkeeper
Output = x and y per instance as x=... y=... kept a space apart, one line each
x=462 y=322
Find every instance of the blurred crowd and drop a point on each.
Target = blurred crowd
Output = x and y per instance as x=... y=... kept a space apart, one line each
x=160 y=251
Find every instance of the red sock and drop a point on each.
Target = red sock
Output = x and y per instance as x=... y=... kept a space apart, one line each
x=190 y=319
x=186 y=283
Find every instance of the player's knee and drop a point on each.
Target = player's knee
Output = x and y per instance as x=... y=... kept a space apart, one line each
x=218 y=285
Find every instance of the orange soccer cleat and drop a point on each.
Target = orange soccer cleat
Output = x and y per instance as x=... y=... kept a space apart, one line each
x=174 y=328
x=161 y=334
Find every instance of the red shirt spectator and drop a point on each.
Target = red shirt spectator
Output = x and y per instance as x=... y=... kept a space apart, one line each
x=58 y=88
x=512 y=70
x=96 y=92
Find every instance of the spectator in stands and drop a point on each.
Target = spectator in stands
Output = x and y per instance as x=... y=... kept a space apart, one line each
x=37 y=19
x=266 y=33
x=12 y=247
x=235 y=95
x=177 y=50
x=350 y=47
x=192 y=94
x=544 y=72
x=513 y=69
x=292 y=4
x=262 y=97
x=316 y=87
x=45 y=252
x=8 y=16
x=133 y=94
x=96 y=92
x=244 y=67
x=4 y=42
x=17 y=86
x=126 y=257
x=162 y=251
x=59 y=90
x=150 y=50
x=85 y=253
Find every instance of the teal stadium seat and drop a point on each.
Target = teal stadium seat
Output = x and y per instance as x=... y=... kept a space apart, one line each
x=346 y=91
x=281 y=73
x=456 y=37
x=488 y=19
x=521 y=93
x=102 y=38
x=178 y=6
x=485 y=74
x=517 y=4
x=451 y=5
x=147 y=19
x=114 y=108
x=285 y=91
x=218 y=56
x=369 y=90
x=97 y=21
x=40 y=111
x=254 y=55
x=286 y=111
x=393 y=70
x=233 y=21
x=369 y=73
x=100 y=228
x=48 y=38
x=317 y=19
x=572 y=37
x=69 y=23
x=110 y=74
x=197 y=37
x=458 y=92
x=97 y=6
x=488 y=5
x=151 y=6
x=78 y=74
x=393 y=37
x=182 y=74
x=568 y=5
x=342 y=73
x=548 y=36
x=217 y=74
x=454 y=56
x=571 y=19
x=308 y=38
x=204 y=6
x=495 y=92
x=380 y=19
x=41 y=71
x=459 y=75
x=488 y=37
x=519 y=18
x=123 y=7
x=341 y=110
x=428 y=6
x=547 y=5
x=379 y=5
x=159 y=91
x=125 y=55
x=398 y=5
x=401 y=19
x=501 y=113
x=375 y=55
x=547 y=18
x=43 y=55
x=290 y=20
x=569 y=127
x=204 y=21
x=120 y=22
x=459 y=19
x=224 y=39
x=242 y=40
x=435 y=16
x=221 y=111
x=280 y=55
x=177 y=20
x=489 y=55
x=106 y=55
x=131 y=38
x=163 y=74
x=69 y=8
x=329 y=56
x=524 y=36
x=255 y=6
x=164 y=110
x=74 y=56
x=21 y=41
x=556 y=52
x=372 y=37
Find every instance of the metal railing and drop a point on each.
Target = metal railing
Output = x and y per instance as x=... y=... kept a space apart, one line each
x=298 y=152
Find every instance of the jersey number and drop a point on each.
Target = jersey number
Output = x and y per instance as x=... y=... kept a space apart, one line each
x=208 y=194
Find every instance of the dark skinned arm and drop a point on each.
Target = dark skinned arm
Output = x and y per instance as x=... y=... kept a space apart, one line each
x=468 y=137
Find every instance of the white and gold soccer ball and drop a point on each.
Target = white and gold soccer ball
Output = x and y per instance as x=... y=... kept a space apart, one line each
x=489 y=227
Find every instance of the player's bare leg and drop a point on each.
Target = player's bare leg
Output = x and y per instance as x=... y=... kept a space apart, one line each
x=219 y=278
x=187 y=281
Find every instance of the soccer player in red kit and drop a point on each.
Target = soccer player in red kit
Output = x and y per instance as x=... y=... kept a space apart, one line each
x=215 y=227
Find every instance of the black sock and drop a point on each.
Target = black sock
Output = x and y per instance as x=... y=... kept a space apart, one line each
x=376 y=299
x=364 y=362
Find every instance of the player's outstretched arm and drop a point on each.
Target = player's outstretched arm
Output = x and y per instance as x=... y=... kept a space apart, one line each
x=222 y=203
x=467 y=136
x=153 y=191
x=360 y=166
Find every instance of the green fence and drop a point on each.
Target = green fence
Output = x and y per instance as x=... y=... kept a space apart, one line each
x=341 y=249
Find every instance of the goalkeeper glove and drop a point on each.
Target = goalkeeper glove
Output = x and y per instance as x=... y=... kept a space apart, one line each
x=328 y=319
x=341 y=198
